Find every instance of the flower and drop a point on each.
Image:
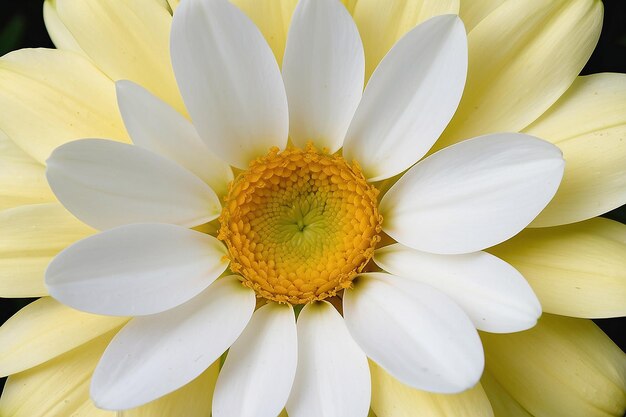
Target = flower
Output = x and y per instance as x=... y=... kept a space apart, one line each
x=86 y=318
x=300 y=225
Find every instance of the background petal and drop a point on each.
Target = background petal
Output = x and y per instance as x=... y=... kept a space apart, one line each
x=50 y=97
x=588 y=123
x=522 y=57
x=391 y=398
x=45 y=329
x=31 y=236
x=563 y=366
x=383 y=22
x=472 y=195
x=576 y=270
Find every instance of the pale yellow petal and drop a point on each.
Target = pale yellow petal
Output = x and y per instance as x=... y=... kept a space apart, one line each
x=501 y=401
x=49 y=97
x=522 y=58
x=272 y=17
x=382 y=23
x=192 y=400
x=350 y=5
x=22 y=179
x=46 y=329
x=61 y=37
x=391 y=398
x=588 y=123
x=173 y=4
x=562 y=367
x=474 y=11
x=31 y=236
x=57 y=388
x=127 y=40
x=576 y=270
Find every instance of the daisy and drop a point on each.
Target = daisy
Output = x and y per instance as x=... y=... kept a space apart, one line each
x=301 y=220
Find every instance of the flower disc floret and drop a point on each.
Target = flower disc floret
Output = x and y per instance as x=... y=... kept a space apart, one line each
x=300 y=225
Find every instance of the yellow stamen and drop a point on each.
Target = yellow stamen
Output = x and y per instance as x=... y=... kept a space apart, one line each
x=300 y=224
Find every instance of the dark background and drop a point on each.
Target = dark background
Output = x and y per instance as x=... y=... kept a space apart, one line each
x=21 y=26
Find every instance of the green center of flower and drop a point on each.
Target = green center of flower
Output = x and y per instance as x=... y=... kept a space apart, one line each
x=300 y=224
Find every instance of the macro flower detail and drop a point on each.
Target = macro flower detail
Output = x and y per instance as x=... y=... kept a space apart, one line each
x=205 y=260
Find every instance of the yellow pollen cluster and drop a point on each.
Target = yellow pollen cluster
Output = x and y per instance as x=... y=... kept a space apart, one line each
x=300 y=224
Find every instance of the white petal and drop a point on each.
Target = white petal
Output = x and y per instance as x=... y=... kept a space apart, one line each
x=495 y=296
x=474 y=194
x=229 y=80
x=414 y=332
x=135 y=269
x=324 y=71
x=154 y=125
x=410 y=98
x=259 y=370
x=333 y=377
x=107 y=184
x=154 y=355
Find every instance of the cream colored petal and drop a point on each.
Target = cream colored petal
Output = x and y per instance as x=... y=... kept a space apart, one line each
x=522 y=58
x=31 y=236
x=126 y=40
x=22 y=179
x=474 y=11
x=350 y=5
x=49 y=97
x=588 y=123
x=46 y=329
x=173 y=4
x=391 y=398
x=576 y=270
x=58 y=388
x=192 y=400
x=382 y=23
x=501 y=401
x=561 y=367
x=61 y=37
x=272 y=17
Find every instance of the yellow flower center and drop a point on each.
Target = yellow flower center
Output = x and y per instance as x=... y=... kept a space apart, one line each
x=300 y=224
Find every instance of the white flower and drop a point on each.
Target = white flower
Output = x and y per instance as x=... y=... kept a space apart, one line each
x=299 y=225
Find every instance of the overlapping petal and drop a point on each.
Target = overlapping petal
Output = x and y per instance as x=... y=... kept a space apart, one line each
x=474 y=194
x=32 y=235
x=154 y=125
x=106 y=184
x=154 y=355
x=50 y=97
x=410 y=99
x=577 y=270
x=333 y=378
x=46 y=329
x=563 y=366
x=391 y=398
x=229 y=80
x=588 y=123
x=494 y=295
x=414 y=332
x=323 y=71
x=261 y=365
x=522 y=58
x=136 y=270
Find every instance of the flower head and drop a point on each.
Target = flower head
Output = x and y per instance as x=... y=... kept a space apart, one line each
x=301 y=220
